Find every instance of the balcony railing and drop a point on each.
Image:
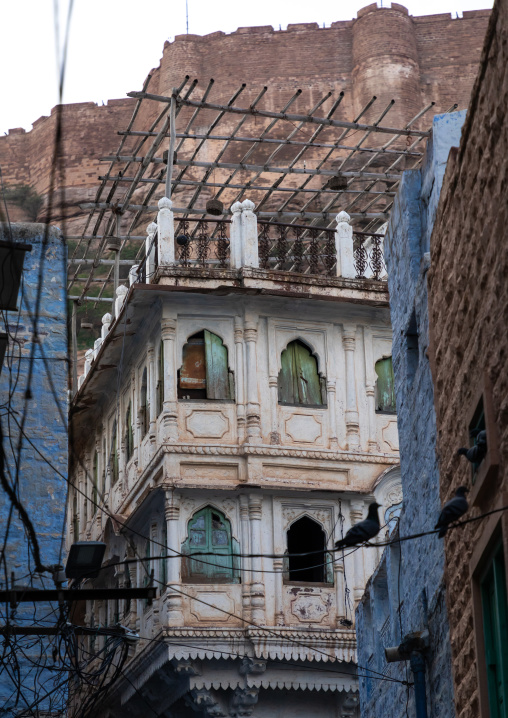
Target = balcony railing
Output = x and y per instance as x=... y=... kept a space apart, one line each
x=245 y=241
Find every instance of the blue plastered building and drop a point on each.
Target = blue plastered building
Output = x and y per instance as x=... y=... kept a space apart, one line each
x=33 y=415
x=406 y=593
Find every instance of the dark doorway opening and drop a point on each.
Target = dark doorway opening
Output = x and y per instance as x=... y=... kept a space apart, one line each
x=306 y=535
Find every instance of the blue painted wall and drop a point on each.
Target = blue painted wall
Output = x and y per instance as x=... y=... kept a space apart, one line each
x=406 y=592
x=41 y=490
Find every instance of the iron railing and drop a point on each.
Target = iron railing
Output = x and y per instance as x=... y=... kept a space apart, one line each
x=203 y=245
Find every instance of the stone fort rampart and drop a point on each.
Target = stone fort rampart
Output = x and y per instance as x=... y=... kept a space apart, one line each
x=383 y=52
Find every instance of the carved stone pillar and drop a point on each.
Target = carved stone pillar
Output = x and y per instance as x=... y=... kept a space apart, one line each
x=152 y=398
x=357 y=514
x=352 y=419
x=257 y=588
x=273 y=383
x=278 y=563
x=239 y=383
x=332 y=413
x=173 y=598
x=136 y=422
x=246 y=562
x=338 y=569
x=170 y=409
x=370 y=389
x=253 y=407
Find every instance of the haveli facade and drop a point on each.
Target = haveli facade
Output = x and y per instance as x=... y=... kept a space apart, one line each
x=240 y=414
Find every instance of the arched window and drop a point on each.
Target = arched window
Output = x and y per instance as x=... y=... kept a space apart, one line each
x=307 y=536
x=204 y=373
x=299 y=381
x=143 y=404
x=129 y=434
x=385 y=386
x=160 y=379
x=209 y=531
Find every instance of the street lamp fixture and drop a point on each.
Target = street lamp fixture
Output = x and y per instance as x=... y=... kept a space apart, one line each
x=85 y=559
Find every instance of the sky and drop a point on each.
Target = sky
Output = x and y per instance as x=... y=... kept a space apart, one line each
x=112 y=44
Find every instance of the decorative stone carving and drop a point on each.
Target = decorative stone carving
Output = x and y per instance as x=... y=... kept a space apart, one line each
x=220 y=602
x=311 y=608
x=304 y=428
x=204 y=424
x=390 y=435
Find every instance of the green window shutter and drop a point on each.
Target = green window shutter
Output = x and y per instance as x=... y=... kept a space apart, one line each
x=210 y=532
x=299 y=381
x=217 y=373
x=385 y=386
x=495 y=625
x=114 y=457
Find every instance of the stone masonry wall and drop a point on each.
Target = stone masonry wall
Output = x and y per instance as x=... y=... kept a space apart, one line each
x=385 y=52
x=43 y=461
x=406 y=593
x=468 y=293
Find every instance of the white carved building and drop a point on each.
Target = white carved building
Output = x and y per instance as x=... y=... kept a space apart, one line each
x=234 y=411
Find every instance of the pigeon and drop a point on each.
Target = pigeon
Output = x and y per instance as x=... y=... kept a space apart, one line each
x=476 y=453
x=452 y=510
x=362 y=531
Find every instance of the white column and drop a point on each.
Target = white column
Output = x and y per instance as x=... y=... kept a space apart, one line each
x=253 y=407
x=370 y=389
x=332 y=413
x=235 y=236
x=166 y=233
x=357 y=514
x=239 y=384
x=338 y=569
x=344 y=247
x=278 y=563
x=250 y=256
x=244 y=235
x=257 y=589
x=173 y=599
x=273 y=385
x=170 y=408
x=133 y=274
x=352 y=419
x=150 y=252
x=152 y=399
x=246 y=562
x=96 y=346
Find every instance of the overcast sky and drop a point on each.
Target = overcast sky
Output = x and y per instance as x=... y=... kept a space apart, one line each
x=114 y=43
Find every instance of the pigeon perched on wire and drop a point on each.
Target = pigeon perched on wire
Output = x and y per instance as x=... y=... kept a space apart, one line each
x=476 y=453
x=452 y=510
x=362 y=531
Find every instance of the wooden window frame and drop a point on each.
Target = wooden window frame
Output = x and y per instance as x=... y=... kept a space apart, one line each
x=384 y=411
x=488 y=469
x=321 y=379
x=495 y=529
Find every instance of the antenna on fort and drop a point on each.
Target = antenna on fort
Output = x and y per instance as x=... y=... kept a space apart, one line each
x=187 y=15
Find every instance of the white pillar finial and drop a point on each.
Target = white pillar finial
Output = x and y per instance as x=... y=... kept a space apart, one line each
x=166 y=233
x=344 y=247
x=244 y=235
x=120 y=298
x=106 y=321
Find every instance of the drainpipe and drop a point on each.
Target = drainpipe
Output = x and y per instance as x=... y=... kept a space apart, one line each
x=417 y=664
x=412 y=649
